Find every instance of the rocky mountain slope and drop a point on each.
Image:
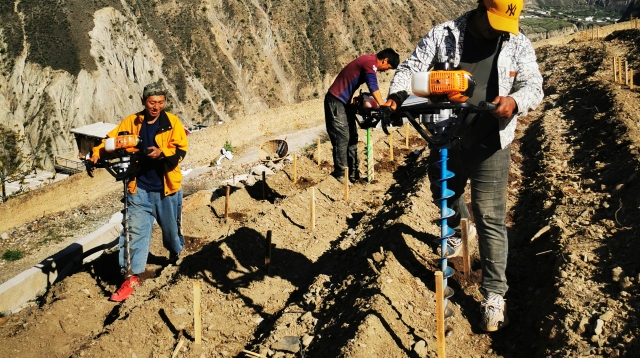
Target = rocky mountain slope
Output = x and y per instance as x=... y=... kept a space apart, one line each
x=69 y=63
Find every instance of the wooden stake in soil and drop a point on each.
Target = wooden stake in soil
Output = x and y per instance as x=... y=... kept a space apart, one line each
x=391 y=146
x=346 y=185
x=406 y=136
x=620 y=70
x=295 y=168
x=197 y=317
x=264 y=183
x=631 y=78
x=252 y=354
x=177 y=349
x=318 y=151
x=464 y=231
x=226 y=203
x=267 y=253
x=626 y=72
x=370 y=164
x=313 y=208
x=615 y=77
x=442 y=353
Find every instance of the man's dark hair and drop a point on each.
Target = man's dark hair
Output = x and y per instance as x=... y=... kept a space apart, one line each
x=392 y=57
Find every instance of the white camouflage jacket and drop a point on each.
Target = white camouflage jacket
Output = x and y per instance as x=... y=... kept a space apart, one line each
x=518 y=72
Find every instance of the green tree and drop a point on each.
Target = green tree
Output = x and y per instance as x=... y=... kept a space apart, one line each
x=16 y=160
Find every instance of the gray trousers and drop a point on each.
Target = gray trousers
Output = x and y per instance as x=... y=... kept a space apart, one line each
x=343 y=133
x=488 y=171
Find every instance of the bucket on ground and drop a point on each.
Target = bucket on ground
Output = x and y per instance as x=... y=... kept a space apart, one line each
x=273 y=150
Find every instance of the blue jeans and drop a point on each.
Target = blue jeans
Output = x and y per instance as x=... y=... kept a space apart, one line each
x=343 y=133
x=144 y=208
x=488 y=171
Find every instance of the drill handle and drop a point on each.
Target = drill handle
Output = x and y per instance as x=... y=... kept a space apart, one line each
x=487 y=106
x=91 y=166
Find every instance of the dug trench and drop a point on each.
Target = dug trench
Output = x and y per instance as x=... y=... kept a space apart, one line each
x=361 y=282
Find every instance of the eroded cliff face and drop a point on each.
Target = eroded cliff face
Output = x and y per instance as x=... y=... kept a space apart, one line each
x=74 y=62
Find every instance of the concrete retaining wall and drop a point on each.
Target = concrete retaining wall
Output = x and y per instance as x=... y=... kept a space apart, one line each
x=30 y=284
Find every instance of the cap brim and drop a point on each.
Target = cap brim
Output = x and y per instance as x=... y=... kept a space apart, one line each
x=501 y=23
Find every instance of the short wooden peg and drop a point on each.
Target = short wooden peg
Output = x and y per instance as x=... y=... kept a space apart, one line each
x=464 y=231
x=264 y=184
x=226 y=203
x=346 y=185
x=313 y=208
x=391 y=146
x=295 y=168
x=406 y=137
x=626 y=72
x=197 y=316
x=620 y=70
x=441 y=343
x=318 y=151
x=267 y=253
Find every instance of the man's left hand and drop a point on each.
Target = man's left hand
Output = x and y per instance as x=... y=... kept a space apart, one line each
x=154 y=153
x=506 y=107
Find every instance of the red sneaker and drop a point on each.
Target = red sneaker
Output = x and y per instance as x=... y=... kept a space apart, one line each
x=126 y=289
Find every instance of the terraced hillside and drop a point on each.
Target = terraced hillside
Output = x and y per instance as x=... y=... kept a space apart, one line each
x=361 y=283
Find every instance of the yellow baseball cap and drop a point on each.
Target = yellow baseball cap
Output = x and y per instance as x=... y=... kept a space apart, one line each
x=504 y=14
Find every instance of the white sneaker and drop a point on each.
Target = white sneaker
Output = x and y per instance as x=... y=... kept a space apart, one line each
x=493 y=308
x=472 y=231
x=454 y=247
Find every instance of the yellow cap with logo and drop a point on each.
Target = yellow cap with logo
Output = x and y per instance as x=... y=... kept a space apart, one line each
x=504 y=14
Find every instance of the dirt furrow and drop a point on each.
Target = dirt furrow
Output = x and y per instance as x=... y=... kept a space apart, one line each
x=361 y=283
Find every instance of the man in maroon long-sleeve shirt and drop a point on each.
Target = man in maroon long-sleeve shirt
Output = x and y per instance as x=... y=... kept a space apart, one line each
x=341 y=124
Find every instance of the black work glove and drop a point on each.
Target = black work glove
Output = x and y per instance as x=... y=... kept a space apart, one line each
x=385 y=115
x=399 y=97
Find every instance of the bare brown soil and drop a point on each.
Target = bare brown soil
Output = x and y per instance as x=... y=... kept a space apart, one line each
x=361 y=282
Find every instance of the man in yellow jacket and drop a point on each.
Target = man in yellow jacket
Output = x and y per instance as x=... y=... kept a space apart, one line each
x=155 y=191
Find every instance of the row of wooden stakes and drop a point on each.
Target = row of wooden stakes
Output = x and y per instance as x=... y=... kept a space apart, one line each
x=618 y=72
x=318 y=157
x=597 y=32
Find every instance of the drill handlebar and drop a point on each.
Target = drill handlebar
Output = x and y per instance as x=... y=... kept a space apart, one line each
x=449 y=128
x=487 y=106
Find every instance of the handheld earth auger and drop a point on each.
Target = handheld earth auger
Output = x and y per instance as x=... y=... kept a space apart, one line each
x=370 y=115
x=120 y=160
x=442 y=120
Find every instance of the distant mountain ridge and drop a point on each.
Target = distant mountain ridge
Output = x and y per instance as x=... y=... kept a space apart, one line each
x=69 y=63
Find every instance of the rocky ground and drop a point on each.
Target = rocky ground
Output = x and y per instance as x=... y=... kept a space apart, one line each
x=361 y=282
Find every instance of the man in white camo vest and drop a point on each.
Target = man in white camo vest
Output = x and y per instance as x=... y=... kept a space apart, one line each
x=487 y=43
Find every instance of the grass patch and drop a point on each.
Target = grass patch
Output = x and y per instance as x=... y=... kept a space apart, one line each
x=228 y=147
x=13 y=255
x=53 y=236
